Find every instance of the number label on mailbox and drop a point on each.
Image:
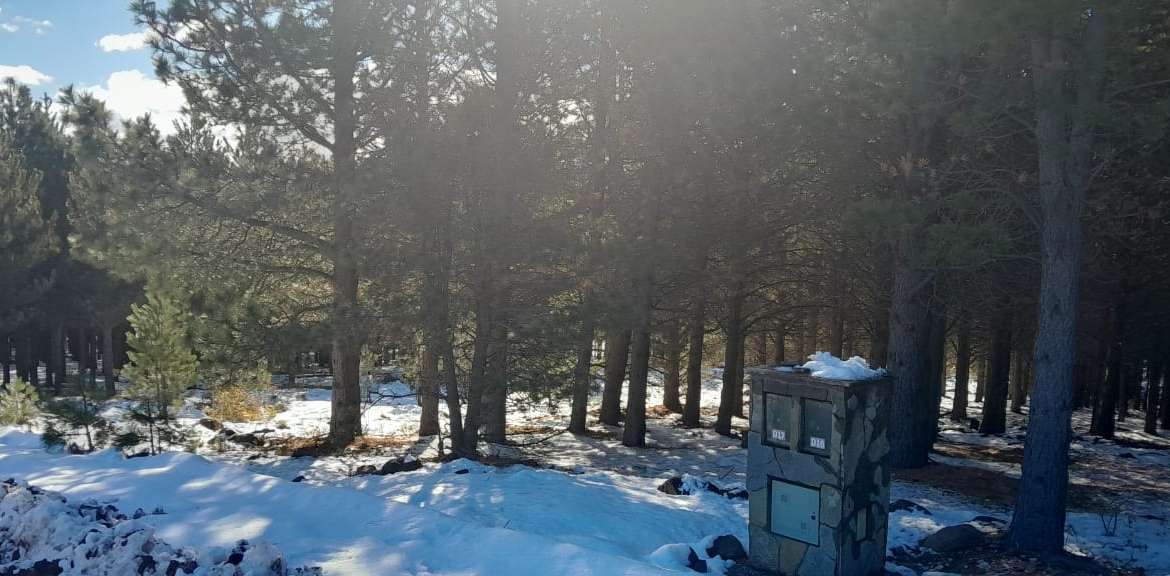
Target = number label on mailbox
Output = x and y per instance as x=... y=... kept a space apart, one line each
x=779 y=435
x=818 y=443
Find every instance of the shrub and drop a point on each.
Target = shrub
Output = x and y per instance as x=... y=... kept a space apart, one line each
x=238 y=404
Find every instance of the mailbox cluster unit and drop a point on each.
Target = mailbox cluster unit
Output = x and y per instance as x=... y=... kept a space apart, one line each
x=818 y=482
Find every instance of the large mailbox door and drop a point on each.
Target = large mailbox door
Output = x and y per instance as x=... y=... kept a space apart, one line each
x=795 y=511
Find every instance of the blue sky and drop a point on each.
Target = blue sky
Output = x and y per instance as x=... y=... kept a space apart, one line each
x=92 y=44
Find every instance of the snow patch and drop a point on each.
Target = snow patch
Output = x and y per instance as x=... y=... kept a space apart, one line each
x=825 y=365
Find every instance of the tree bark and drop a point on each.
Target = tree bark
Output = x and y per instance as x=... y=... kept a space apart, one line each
x=582 y=373
x=779 y=334
x=108 y=358
x=695 y=330
x=732 y=353
x=617 y=354
x=1038 y=520
x=671 y=383
x=962 y=370
x=761 y=349
x=811 y=330
x=451 y=387
x=1016 y=380
x=994 y=418
x=936 y=374
x=740 y=370
x=1105 y=410
x=345 y=418
x=1164 y=407
x=634 y=433
x=82 y=356
x=1153 y=395
x=495 y=408
x=57 y=357
x=981 y=375
x=599 y=146
x=909 y=339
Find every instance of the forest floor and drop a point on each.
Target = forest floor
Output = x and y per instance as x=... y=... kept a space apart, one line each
x=554 y=503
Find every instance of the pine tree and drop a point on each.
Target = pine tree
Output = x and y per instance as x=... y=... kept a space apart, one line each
x=162 y=364
x=25 y=238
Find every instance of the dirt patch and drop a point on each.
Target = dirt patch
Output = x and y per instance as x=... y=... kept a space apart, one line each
x=1117 y=478
x=1008 y=454
x=996 y=559
x=316 y=446
x=530 y=429
x=994 y=487
x=659 y=411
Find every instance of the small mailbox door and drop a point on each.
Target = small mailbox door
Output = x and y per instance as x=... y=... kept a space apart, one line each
x=794 y=512
x=816 y=426
x=777 y=420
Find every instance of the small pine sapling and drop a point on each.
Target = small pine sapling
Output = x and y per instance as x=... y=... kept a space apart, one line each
x=67 y=418
x=18 y=404
x=162 y=366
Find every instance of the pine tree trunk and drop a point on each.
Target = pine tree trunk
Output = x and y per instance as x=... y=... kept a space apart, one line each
x=936 y=373
x=57 y=357
x=732 y=353
x=779 y=335
x=345 y=418
x=6 y=342
x=962 y=370
x=479 y=364
x=617 y=354
x=582 y=373
x=451 y=387
x=994 y=418
x=634 y=433
x=108 y=358
x=740 y=367
x=599 y=151
x=428 y=389
x=761 y=346
x=1016 y=380
x=1038 y=522
x=1164 y=406
x=981 y=374
x=1105 y=409
x=673 y=380
x=1130 y=377
x=495 y=408
x=879 y=350
x=695 y=331
x=1153 y=395
x=909 y=339
x=82 y=356
x=811 y=331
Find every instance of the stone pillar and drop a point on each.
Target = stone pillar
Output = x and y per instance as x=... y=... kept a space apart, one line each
x=818 y=482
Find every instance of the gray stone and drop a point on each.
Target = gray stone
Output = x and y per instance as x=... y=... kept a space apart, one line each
x=695 y=563
x=954 y=538
x=727 y=547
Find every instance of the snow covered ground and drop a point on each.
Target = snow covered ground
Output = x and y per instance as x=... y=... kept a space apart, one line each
x=594 y=509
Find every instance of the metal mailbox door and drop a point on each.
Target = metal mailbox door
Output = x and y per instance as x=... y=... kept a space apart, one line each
x=795 y=511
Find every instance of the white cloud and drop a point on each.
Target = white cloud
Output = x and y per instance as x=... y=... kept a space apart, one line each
x=130 y=94
x=14 y=24
x=123 y=42
x=24 y=74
